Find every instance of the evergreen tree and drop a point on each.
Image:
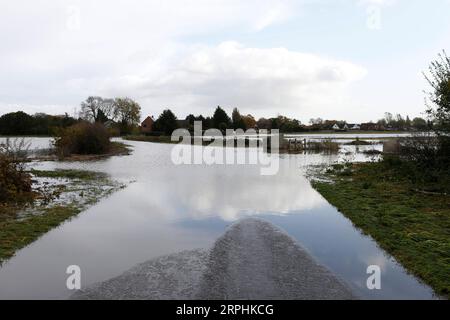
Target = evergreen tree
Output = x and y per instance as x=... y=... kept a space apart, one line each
x=221 y=120
x=166 y=122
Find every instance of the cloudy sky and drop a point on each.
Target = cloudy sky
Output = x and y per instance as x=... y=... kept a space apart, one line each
x=335 y=59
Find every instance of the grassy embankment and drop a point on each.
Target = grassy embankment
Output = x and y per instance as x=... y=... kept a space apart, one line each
x=410 y=223
x=70 y=192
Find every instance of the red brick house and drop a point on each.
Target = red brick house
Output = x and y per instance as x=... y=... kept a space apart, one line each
x=372 y=127
x=147 y=125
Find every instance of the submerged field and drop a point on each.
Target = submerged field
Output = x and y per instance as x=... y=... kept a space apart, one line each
x=170 y=208
x=60 y=195
x=411 y=224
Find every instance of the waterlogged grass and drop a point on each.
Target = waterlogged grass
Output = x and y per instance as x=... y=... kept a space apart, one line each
x=411 y=225
x=18 y=233
x=69 y=174
x=66 y=194
x=119 y=148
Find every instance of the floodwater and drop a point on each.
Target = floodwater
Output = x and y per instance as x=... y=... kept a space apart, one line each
x=167 y=208
x=350 y=135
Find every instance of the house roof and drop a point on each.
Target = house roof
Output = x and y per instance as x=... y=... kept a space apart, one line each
x=149 y=118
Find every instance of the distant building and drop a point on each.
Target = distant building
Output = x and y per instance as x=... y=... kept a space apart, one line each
x=147 y=125
x=354 y=126
x=336 y=127
x=372 y=127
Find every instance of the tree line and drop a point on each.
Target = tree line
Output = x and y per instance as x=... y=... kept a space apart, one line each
x=119 y=115
x=21 y=123
x=122 y=116
x=401 y=123
x=168 y=121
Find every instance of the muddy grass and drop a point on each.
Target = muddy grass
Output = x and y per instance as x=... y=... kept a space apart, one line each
x=59 y=196
x=413 y=226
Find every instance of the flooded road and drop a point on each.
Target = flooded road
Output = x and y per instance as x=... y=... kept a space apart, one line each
x=167 y=208
x=253 y=260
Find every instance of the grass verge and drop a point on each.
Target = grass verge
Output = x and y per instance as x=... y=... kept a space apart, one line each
x=413 y=226
x=69 y=174
x=18 y=233
x=69 y=193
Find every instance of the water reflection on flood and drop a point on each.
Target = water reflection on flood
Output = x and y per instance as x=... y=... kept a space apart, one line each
x=169 y=208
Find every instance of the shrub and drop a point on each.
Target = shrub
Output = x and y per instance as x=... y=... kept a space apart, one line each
x=83 y=138
x=15 y=183
x=424 y=161
x=358 y=142
x=113 y=131
x=326 y=145
x=422 y=149
x=430 y=154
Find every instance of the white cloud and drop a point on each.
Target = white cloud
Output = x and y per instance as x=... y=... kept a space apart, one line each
x=56 y=54
x=260 y=81
x=194 y=79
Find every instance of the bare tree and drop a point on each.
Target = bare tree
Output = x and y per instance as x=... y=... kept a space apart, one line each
x=97 y=109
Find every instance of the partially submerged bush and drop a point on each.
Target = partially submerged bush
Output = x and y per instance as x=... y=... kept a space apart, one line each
x=15 y=183
x=358 y=142
x=83 y=138
x=326 y=145
x=294 y=145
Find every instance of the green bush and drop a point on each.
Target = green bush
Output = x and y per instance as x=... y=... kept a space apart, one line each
x=83 y=138
x=422 y=176
x=425 y=160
